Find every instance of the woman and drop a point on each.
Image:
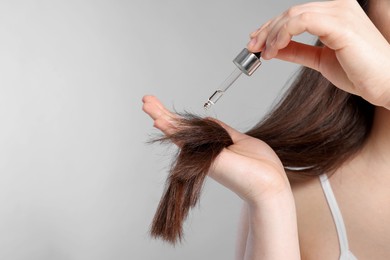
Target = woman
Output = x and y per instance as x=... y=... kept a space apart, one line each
x=340 y=105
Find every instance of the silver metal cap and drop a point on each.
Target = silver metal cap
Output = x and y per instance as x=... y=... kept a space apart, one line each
x=247 y=61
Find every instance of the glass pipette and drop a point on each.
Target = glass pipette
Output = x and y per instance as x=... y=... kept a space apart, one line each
x=223 y=88
x=246 y=63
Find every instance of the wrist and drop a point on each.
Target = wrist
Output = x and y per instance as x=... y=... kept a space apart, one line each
x=281 y=195
x=281 y=201
x=272 y=226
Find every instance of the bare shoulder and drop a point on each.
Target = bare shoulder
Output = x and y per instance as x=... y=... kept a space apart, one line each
x=317 y=233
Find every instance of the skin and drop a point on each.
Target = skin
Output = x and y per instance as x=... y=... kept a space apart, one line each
x=356 y=58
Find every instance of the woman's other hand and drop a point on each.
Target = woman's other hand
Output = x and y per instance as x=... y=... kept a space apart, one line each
x=355 y=56
x=249 y=167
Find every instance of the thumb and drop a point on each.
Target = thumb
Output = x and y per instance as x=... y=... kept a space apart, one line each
x=300 y=53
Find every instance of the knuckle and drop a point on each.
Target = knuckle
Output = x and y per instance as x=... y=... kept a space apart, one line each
x=292 y=11
x=306 y=17
x=158 y=123
x=285 y=26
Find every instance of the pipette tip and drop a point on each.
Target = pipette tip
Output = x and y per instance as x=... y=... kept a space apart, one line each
x=207 y=105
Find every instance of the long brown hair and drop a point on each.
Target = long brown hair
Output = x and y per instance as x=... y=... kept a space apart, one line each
x=313 y=129
x=316 y=126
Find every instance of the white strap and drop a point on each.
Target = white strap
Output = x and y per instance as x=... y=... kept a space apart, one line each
x=337 y=217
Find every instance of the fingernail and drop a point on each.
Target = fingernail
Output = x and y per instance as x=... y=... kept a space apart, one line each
x=253 y=42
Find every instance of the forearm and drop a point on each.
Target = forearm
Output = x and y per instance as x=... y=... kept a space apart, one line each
x=273 y=230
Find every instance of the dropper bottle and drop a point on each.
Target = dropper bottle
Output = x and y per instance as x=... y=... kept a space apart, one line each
x=247 y=63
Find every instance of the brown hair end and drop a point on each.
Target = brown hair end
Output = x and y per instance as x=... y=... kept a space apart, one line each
x=200 y=142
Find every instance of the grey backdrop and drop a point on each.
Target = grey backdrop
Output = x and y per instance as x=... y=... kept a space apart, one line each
x=77 y=180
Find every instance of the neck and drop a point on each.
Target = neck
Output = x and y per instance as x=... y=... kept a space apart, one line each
x=378 y=143
x=374 y=158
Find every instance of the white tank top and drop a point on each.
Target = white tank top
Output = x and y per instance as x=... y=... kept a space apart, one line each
x=345 y=253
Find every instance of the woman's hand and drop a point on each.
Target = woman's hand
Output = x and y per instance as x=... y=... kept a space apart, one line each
x=355 y=56
x=249 y=167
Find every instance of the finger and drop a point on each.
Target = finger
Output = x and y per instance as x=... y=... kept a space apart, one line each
x=321 y=25
x=318 y=24
x=317 y=58
x=258 y=42
x=291 y=11
x=300 y=53
x=266 y=35
x=255 y=33
x=277 y=37
x=163 y=118
x=166 y=126
x=154 y=108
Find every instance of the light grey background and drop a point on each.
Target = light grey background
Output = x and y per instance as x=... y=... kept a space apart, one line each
x=77 y=180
